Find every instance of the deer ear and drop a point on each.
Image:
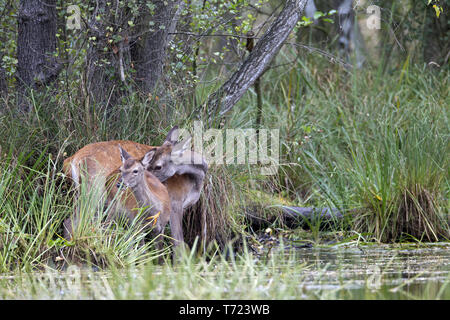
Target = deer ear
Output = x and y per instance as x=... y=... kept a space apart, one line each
x=148 y=157
x=124 y=155
x=180 y=148
x=172 y=136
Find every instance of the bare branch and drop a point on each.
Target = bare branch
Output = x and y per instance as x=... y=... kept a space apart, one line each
x=262 y=54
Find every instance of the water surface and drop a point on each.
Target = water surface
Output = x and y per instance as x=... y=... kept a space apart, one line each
x=378 y=271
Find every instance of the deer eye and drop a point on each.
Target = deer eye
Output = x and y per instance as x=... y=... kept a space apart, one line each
x=157 y=167
x=135 y=171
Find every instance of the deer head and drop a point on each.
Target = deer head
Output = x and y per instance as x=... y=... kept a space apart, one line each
x=172 y=157
x=132 y=170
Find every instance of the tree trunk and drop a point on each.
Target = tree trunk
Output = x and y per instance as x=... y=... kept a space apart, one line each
x=100 y=64
x=36 y=43
x=262 y=54
x=436 y=47
x=350 y=38
x=149 y=51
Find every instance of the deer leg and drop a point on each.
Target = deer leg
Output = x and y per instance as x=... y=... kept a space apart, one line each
x=68 y=231
x=176 y=224
x=158 y=236
x=70 y=224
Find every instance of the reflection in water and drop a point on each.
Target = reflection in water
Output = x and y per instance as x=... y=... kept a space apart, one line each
x=381 y=271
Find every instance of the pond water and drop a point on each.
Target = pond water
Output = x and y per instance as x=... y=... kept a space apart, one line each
x=343 y=271
x=378 y=271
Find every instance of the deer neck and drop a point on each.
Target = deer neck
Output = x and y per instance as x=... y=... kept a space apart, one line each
x=144 y=195
x=196 y=173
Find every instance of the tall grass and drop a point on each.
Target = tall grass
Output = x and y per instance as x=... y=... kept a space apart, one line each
x=32 y=207
x=371 y=144
x=382 y=150
x=35 y=202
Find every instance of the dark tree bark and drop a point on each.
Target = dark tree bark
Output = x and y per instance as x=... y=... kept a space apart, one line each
x=262 y=54
x=350 y=41
x=149 y=51
x=436 y=47
x=36 y=43
x=142 y=46
x=100 y=63
x=350 y=38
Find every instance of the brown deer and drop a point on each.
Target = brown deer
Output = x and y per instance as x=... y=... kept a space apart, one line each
x=101 y=159
x=147 y=192
x=181 y=170
x=187 y=170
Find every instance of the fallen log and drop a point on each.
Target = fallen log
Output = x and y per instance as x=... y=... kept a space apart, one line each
x=292 y=217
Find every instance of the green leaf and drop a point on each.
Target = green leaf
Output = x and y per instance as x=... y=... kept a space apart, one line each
x=438 y=10
x=318 y=14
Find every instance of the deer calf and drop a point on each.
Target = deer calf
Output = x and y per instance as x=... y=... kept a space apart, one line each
x=147 y=193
